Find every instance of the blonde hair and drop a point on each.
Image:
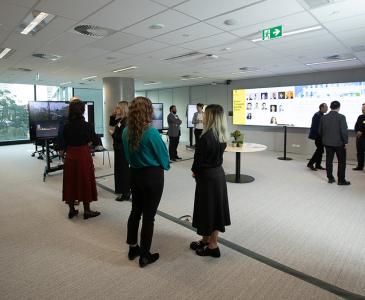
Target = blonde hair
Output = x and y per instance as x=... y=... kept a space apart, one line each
x=124 y=107
x=215 y=120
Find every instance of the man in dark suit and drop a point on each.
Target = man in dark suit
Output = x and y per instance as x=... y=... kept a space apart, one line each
x=315 y=162
x=360 y=139
x=173 y=132
x=333 y=130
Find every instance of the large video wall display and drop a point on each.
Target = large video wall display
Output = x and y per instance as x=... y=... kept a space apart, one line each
x=295 y=105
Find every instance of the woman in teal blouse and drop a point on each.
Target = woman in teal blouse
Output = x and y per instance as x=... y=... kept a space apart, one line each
x=148 y=158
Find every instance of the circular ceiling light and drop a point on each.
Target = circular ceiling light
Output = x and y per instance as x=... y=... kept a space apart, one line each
x=231 y=22
x=157 y=26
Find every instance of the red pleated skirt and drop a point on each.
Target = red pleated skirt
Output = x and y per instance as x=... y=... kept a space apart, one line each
x=79 y=175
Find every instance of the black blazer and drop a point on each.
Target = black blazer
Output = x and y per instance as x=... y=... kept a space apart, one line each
x=333 y=129
x=314 y=130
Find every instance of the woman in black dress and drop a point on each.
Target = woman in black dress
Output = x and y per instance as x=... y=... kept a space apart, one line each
x=78 y=176
x=211 y=210
x=118 y=122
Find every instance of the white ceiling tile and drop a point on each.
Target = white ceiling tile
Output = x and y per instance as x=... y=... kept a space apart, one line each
x=122 y=13
x=338 y=66
x=169 y=3
x=171 y=19
x=11 y=16
x=187 y=34
x=346 y=24
x=144 y=47
x=212 y=41
x=351 y=36
x=289 y=23
x=23 y=3
x=3 y=35
x=204 y=9
x=361 y=56
x=262 y=12
x=73 y=9
x=86 y=53
x=230 y=48
x=167 y=52
x=340 y=10
x=116 y=41
x=66 y=43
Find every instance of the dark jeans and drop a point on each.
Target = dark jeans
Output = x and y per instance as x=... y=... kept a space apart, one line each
x=197 y=134
x=341 y=158
x=317 y=156
x=360 y=148
x=147 y=187
x=174 y=142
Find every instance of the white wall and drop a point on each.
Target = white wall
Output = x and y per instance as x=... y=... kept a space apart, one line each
x=270 y=136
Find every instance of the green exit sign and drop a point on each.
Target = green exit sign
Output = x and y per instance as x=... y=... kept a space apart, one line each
x=272 y=33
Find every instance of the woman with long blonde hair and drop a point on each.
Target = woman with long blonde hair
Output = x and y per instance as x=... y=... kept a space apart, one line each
x=118 y=121
x=148 y=158
x=211 y=209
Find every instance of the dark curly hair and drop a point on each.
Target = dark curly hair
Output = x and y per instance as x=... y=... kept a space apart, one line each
x=139 y=118
x=76 y=109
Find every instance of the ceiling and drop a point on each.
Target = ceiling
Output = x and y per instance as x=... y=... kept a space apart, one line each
x=189 y=26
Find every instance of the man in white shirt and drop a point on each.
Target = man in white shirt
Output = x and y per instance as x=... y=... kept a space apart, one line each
x=198 y=122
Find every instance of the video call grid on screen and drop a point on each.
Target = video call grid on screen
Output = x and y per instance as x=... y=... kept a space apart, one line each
x=295 y=105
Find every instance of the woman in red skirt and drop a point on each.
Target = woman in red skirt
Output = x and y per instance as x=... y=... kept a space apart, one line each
x=78 y=175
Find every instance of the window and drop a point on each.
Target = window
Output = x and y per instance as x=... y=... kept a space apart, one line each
x=14 y=123
x=53 y=93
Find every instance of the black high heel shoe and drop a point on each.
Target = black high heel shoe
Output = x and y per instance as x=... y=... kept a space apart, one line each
x=91 y=214
x=72 y=213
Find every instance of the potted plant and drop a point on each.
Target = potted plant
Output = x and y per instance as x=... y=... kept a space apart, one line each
x=237 y=138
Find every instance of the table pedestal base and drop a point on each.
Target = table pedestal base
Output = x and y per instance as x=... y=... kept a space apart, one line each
x=242 y=179
x=284 y=158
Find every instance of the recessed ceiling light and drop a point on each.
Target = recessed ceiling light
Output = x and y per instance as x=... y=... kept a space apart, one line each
x=151 y=83
x=157 y=26
x=90 y=77
x=231 y=22
x=51 y=57
x=34 y=22
x=125 y=69
x=226 y=49
x=308 y=29
x=331 y=62
x=5 y=52
x=66 y=83
x=191 y=78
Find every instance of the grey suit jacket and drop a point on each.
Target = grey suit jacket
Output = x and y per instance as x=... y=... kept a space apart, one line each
x=174 y=125
x=333 y=129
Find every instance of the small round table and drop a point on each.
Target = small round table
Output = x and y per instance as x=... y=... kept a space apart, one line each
x=246 y=147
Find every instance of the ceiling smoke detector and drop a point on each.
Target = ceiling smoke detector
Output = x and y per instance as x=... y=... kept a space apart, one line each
x=94 y=31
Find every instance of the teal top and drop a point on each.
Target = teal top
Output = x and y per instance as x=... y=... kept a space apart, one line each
x=152 y=151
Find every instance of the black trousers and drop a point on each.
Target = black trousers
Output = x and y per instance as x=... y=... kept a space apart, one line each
x=147 y=187
x=341 y=158
x=360 y=148
x=197 y=134
x=174 y=142
x=121 y=172
x=318 y=154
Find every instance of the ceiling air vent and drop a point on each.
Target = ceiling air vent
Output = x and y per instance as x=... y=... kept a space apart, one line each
x=94 y=31
x=186 y=56
x=51 y=57
x=24 y=69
